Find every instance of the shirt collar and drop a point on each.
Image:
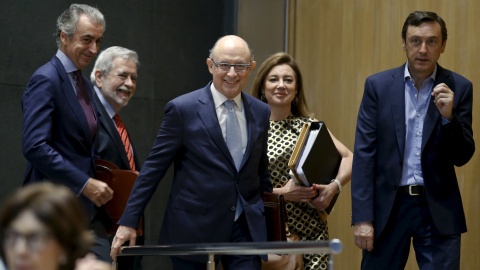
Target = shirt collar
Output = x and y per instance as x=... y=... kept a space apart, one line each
x=66 y=62
x=219 y=98
x=407 y=75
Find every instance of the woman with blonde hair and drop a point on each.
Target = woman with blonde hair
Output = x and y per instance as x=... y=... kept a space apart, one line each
x=279 y=84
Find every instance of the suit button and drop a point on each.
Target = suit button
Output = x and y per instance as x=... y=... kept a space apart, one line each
x=233 y=208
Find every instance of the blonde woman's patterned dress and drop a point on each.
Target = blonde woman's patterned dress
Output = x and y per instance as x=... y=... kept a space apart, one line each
x=303 y=220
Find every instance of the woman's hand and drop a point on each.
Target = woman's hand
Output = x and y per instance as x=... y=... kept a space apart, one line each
x=296 y=193
x=325 y=195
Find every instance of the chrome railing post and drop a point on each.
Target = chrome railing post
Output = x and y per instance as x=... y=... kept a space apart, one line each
x=211 y=261
x=330 y=261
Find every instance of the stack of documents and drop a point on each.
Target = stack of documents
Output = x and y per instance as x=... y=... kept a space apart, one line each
x=315 y=158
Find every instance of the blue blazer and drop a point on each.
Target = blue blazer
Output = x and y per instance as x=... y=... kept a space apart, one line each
x=206 y=183
x=380 y=144
x=56 y=138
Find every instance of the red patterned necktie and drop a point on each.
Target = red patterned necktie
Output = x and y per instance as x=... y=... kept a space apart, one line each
x=126 y=141
x=84 y=101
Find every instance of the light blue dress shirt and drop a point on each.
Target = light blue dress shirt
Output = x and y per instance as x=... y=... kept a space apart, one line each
x=416 y=106
x=69 y=68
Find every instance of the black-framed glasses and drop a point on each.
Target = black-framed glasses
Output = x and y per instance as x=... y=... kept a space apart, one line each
x=227 y=66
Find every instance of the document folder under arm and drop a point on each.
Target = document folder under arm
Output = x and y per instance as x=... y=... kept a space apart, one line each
x=315 y=158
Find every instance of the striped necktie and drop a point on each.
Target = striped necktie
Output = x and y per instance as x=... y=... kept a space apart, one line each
x=126 y=141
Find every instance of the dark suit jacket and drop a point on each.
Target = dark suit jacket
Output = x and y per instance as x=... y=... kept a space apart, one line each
x=56 y=138
x=109 y=145
x=380 y=143
x=206 y=183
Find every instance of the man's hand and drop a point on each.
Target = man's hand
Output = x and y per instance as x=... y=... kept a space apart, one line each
x=98 y=192
x=364 y=234
x=444 y=100
x=325 y=195
x=124 y=233
x=297 y=193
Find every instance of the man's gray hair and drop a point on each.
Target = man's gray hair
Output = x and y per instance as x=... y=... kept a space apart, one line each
x=105 y=60
x=67 y=21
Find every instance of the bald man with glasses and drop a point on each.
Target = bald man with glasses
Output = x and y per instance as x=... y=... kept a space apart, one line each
x=216 y=137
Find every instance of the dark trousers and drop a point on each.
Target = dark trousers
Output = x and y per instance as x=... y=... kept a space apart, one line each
x=240 y=233
x=101 y=248
x=410 y=221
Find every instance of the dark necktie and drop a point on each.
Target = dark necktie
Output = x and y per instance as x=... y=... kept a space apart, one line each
x=234 y=142
x=85 y=102
x=126 y=141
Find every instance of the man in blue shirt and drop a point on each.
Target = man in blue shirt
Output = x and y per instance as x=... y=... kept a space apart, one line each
x=414 y=126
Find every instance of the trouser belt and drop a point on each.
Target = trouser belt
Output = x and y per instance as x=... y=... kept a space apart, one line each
x=412 y=190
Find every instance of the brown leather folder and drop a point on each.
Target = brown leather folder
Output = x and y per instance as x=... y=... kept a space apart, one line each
x=275 y=216
x=297 y=151
x=121 y=181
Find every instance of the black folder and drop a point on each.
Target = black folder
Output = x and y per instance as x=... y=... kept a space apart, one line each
x=321 y=158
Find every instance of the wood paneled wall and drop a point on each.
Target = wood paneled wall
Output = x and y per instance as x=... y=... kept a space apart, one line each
x=339 y=43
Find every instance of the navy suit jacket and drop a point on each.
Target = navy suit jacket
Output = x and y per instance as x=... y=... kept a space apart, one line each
x=206 y=183
x=380 y=143
x=56 y=137
x=109 y=145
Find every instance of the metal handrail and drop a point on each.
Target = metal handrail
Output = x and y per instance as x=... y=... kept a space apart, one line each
x=331 y=247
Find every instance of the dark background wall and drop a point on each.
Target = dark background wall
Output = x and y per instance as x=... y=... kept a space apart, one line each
x=172 y=39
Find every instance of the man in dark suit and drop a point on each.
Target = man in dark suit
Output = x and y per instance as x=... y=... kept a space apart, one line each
x=59 y=120
x=414 y=125
x=114 y=78
x=216 y=195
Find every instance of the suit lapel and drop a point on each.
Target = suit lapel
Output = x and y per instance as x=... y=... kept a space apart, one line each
x=107 y=123
x=209 y=118
x=251 y=125
x=397 y=101
x=71 y=98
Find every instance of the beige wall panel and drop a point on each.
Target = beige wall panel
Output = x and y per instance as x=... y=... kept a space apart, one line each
x=339 y=43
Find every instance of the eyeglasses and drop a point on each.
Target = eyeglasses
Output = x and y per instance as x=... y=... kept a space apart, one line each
x=227 y=66
x=35 y=241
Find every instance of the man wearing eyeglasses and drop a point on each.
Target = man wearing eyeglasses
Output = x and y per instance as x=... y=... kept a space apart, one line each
x=216 y=137
x=114 y=78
